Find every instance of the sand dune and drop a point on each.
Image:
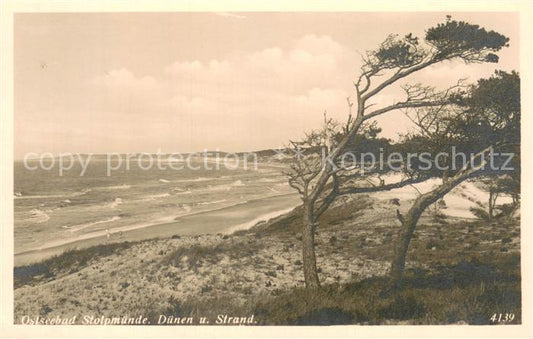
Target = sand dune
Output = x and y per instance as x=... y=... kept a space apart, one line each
x=457 y=203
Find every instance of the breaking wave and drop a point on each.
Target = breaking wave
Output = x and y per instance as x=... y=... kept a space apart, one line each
x=117 y=187
x=211 y=202
x=158 y=196
x=75 y=228
x=38 y=216
x=115 y=203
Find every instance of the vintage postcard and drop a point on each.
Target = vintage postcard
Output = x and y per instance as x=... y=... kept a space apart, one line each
x=232 y=169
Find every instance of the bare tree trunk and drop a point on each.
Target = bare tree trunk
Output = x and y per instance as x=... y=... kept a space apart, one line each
x=493 y=196
x=308 y=249
x=405 y=235
x=410 y=221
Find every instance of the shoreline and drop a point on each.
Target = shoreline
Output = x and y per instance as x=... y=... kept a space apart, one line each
x=264 y=218
x=167 y=227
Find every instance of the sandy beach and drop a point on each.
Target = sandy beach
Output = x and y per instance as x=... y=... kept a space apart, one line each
x=222 y=220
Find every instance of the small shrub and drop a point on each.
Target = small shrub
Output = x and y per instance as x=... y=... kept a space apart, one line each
x=432 y=244
x=480 y=213
x=45 y=310
x=207 y=288
x=271 y=274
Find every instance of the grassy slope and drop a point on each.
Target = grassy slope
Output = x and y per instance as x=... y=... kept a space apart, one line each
x=458 y=272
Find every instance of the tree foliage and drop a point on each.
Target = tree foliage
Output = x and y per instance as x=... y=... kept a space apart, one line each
x=467 y=41
x=393 y=60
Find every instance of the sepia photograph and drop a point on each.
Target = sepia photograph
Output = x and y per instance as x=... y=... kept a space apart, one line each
x=267 y=168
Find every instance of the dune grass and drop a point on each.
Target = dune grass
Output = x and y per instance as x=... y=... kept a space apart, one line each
x=67 y=262
x=468 y=292
x=195 y=255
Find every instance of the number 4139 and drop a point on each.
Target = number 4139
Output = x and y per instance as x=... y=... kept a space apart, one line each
x=502 y=317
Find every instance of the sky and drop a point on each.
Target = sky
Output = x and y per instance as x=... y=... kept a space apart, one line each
x=184 y=82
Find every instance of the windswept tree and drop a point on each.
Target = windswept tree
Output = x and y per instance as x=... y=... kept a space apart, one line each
x=320 y=181
x=507 y=185
x=483 y=126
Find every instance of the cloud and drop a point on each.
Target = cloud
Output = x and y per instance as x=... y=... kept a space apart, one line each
x=198 y=70
x=333 y=100
x=312 y=61
x=319 y=44
x=125 y=79
x=266 y=96
x=230 y=15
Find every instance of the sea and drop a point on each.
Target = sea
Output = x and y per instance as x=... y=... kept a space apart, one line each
x=54 y=213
